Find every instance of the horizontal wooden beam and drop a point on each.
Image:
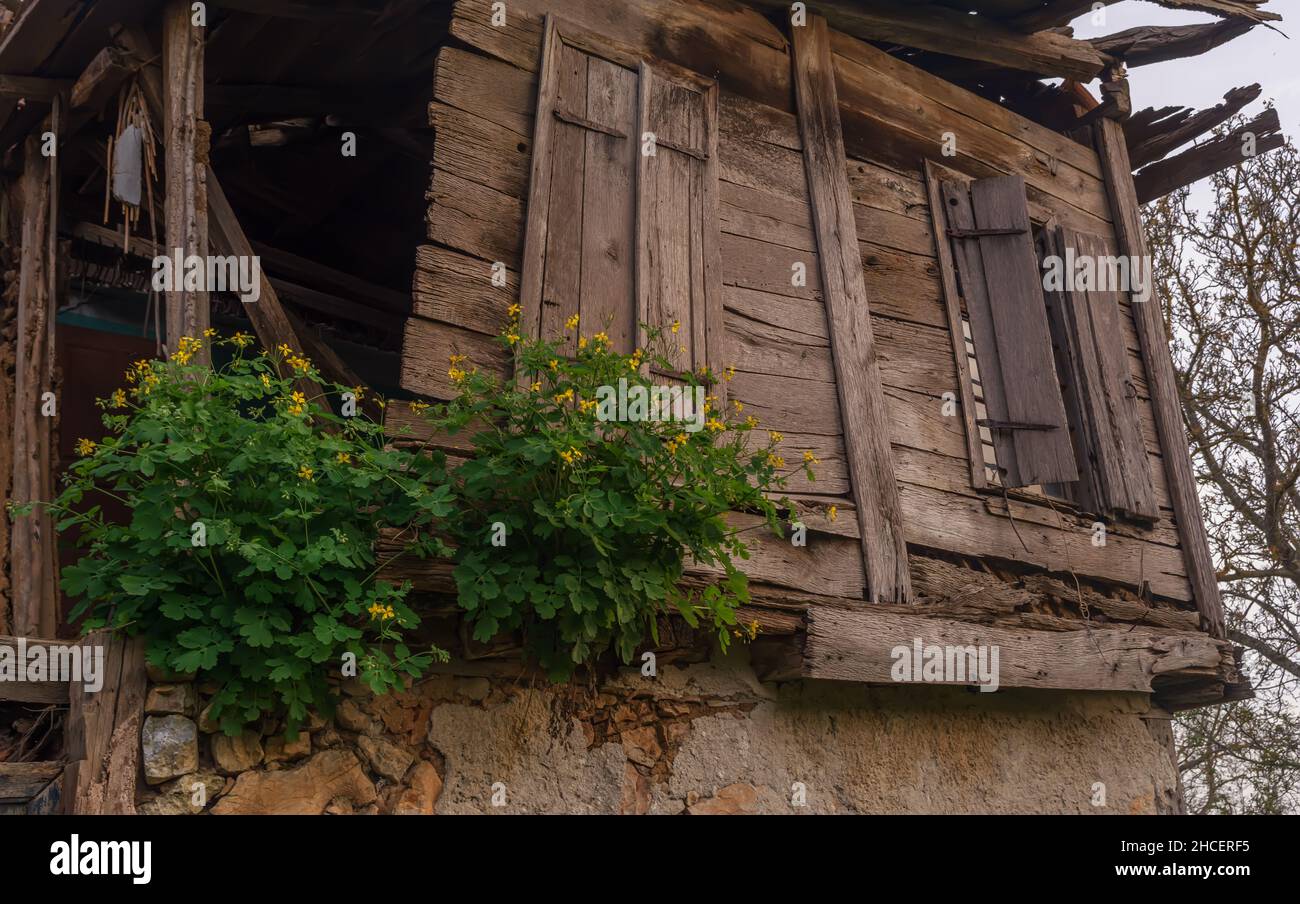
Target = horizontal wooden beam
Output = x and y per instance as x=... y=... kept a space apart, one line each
x=1194 y=164
x=1157 y=44
x=48 y=692
x=847 y=644
x=32 y=88
x=957 y=34
x=1247 y=8
x=289 y=266
x=20 y=782
x=101 y=79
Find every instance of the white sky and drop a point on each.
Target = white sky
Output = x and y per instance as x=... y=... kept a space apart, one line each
x=1261 y=55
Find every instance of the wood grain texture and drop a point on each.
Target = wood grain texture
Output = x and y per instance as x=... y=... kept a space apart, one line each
x=49 y=692
x=857 y=645
x=1131 y=240
x=20 y=782
x=103 y=749
x=862 y=404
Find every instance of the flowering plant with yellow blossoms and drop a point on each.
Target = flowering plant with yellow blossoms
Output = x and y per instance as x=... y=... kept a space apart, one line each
x=229 y=516
x=576 y=530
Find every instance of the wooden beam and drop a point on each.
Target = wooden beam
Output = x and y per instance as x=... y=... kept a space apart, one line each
x=853 y=348
x=100 y=81
x=20 y=782
x=33 y=548
x=306 y=12
x=859 y=645
x=1194 y=164
x=304 y=271
x=1156 y=44
x=50 y=692
x=103 y=736
x=186 y=141
x=1053 y=13
x=1248 y=8
x=1183 y=126
x=1162 y=383
x=957 y=34
x=32 y=88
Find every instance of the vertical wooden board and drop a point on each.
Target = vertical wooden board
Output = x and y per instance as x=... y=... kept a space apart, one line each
x=609 y=205
x=715 y=330
x=532 y=269
x=562 y=278
x=1024 y=342
x=861 y=396
x=1132 y=491
x=974 y=288
x=1161 y=379
x=952 y=308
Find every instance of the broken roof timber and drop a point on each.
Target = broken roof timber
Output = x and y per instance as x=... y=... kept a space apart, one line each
x=1061 y=12
x=955 y=33
x=1194 y=164
x=1156 y=44
x=1146 y=144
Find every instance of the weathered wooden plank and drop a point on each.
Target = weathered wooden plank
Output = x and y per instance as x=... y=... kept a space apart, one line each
x=1157 y=44
x=1160 y=375
x=186 y=137
x=1148 y=146
x=956 y=332
x=459 y=289
x=560 y=269
x=52 y=692
x=862 y=404
x=609 y=205
x=20 y=782
x=475 y=219
x=858 y=645
x=32 y=562
x=495 y=91
x=104 y=750
x=479 y=150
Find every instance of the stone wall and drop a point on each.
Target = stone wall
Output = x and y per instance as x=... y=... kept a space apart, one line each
x=703 y=739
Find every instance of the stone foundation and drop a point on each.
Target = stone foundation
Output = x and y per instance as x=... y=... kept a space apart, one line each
x=703 y=739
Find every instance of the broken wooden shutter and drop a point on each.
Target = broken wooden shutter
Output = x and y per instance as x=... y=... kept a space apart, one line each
x=988 y=223
x=622 y=209
x=678 y=256
x=1115 y=476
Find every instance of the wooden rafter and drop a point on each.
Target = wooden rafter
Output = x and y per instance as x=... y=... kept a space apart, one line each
x=1157 y=44
x=1206 y=159
x=1151 y=139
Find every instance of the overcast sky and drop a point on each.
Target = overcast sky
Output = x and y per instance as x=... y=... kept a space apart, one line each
x=1261 y=55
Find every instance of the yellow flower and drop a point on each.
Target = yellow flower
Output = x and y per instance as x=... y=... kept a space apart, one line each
x=242 y=340
x=571 y=323
x=677 y=325
x=266 y=381
x=601 y=338
x=419 y=407
x=284 y=349
x=739 y=405
x=729 y=373
x=343 y=458
x=775 y=461
x=566 y=396
x=810 y=458
x=306 y=473
x=751 y=422
x=587 y=405
x=775 y=437
x=832 y=512
x=553 y=364
x=359 y=392
x=582 y=342
x=537 y=386
x=514 y=310
x=715 y=425
x=85 y=447
x=512 y=338
x=457 y=360
x=571 y=456
x=209 y=332
x=118 y=399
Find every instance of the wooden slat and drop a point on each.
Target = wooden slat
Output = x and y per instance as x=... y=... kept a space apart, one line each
x=862 y=405
x=1024 y=342
x=21 y=782
x=1157 y=44
x=1162 y=380
x=52 y=692
x=537 y=234
x=858 y=645
x=956 y=332
x=103 y=747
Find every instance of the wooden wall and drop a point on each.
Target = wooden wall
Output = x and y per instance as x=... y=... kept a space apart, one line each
x=893 y=118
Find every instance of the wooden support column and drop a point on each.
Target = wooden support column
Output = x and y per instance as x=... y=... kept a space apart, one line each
x=857 y=374
x=32 y=550
x=102 y=741
x=1159 y=363
x=187 y=137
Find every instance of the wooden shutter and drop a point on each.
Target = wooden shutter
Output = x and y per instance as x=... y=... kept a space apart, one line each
x=678 y=257
x=1114 y=474
x=998 y=269
x=616 y=234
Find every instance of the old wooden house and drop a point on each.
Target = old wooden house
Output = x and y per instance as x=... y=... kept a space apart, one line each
x=851 y=203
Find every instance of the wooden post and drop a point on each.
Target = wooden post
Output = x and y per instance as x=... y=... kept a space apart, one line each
x=853 y=347
x=32 y=562
x=1162 y=381
x=187 y=138
x=102 y=740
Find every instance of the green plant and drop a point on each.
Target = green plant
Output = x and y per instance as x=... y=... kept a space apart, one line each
x=244 y=516
x=575 y=527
